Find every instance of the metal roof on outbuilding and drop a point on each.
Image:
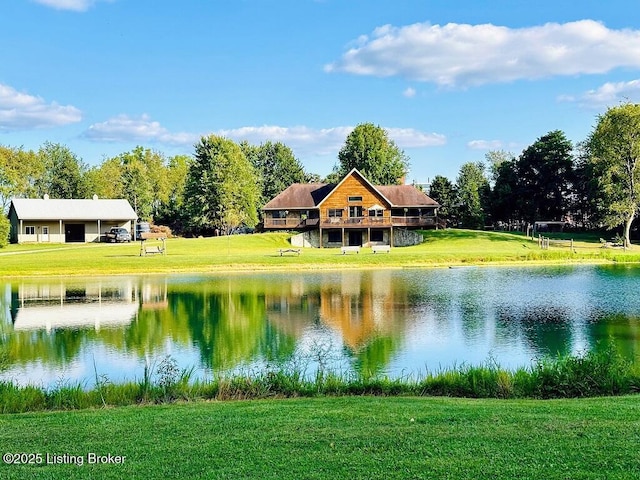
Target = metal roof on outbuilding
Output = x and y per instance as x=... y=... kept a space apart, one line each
x=73 y=209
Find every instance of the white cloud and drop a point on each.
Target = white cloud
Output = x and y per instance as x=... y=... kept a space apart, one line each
x=485 y=145
x=609 y=94
x=73 y=5
x=21 y=111
x=411 y=138
x=409 y=92
x=123 y=128
x=302 y=140
x=463 y=55
x=327 y=140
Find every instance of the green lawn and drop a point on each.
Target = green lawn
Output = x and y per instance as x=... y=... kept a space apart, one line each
x=347 y=437
x=260 y=251
x=325 y=437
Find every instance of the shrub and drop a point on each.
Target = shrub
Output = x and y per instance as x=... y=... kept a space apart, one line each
x=161 y=229
x=5 y=227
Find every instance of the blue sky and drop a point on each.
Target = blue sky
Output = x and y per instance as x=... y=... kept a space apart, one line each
x=449 y=80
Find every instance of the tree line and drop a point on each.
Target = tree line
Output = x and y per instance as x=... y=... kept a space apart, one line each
x=224 y=184
x=592 y=185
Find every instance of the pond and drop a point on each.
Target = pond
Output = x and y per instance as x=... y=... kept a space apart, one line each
x=393 y=322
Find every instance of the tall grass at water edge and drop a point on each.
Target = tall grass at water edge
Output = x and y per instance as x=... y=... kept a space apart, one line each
x=598 y=373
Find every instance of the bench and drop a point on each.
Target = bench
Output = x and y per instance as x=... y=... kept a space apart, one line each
x=289 y=250
x=151 y=249
x=610 y=244
x=381 y=248
x=352 y=249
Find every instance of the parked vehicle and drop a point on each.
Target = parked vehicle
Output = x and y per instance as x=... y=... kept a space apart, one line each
x=118 y=234
x=142 y=227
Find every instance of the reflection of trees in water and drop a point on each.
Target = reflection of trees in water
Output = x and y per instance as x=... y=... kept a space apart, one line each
x=226 y=328
x=375 y=356
x=42 y=323
x=58 y=347
x=617 y=329
x=148 y=335
x=546 y=329
x=367 y=308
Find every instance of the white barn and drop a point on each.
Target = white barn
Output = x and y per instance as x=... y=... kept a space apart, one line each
x=41 y=220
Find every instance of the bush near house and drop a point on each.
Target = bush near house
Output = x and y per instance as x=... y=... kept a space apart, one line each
x=162 y=229
x=5 y=226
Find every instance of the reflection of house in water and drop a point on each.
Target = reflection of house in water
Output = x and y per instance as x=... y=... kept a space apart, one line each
x=91 y=304
x=153 y=296
x=293 y=310
x=361 y=307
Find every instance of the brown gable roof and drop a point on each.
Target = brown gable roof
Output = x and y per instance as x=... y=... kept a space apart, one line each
x=406 y=196
x=356 y=173
x=311 y=195
x=300 y=195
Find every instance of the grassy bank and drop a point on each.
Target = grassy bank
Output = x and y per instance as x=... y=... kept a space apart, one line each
x=596 y=373
x=261 y=251
x=347 y=437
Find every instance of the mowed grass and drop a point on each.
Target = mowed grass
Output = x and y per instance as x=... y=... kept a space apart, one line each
x=346 y=437
x=261 y=251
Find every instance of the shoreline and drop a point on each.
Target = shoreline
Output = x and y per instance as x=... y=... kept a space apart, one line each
x=322 y=267
x=258 y=253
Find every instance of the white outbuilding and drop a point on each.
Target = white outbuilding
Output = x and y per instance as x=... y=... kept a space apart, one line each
x=41 y=220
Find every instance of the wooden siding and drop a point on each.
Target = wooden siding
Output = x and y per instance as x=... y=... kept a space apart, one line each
x=353 y=187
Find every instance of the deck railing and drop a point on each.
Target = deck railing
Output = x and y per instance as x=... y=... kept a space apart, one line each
x=339 y=222
x=290 y=222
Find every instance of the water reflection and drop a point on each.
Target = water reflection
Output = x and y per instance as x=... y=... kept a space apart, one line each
x=371 y=322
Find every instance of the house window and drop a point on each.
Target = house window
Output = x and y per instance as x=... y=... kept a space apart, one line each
x=30 y=230
x=375 y=213
x=377 y=236
x=279 y=214
x=45 y=230
x=355 y=212
x=355 y=199
x=335 y=236
x=334 y=212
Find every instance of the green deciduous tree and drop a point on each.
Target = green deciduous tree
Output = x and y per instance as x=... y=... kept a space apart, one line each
x=221 y=188
x=143 y=176
x=64 y=173
x=495 y=159
x=171 y=211
x=20 y=172
x=276 y=166
x=443 y=191
x=614 y=153
x=473 y=191
x=5 y=226
x=505 y=196
x=546 y=174
x=369 y=149
x=105 y=180
x=140 y=176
